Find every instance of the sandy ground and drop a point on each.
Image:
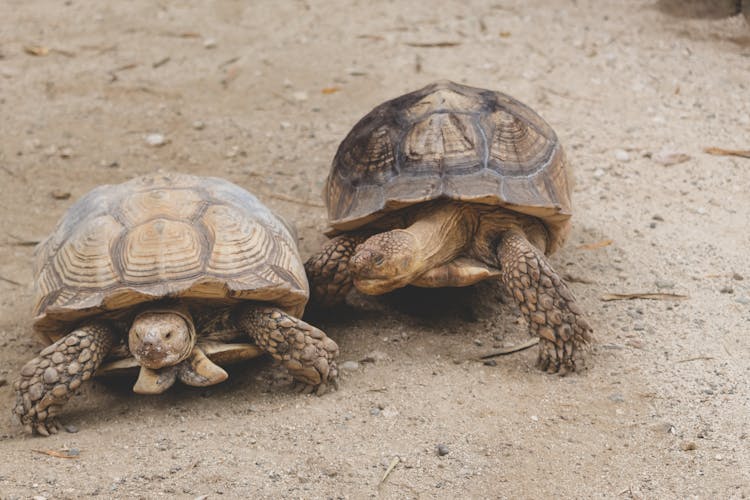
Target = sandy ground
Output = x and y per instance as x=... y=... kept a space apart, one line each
x=262 y=95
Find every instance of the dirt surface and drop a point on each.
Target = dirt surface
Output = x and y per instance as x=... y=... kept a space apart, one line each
x=262 y=95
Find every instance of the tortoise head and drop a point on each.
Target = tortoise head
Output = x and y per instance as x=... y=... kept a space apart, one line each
x=386 y=261
x=160 y=338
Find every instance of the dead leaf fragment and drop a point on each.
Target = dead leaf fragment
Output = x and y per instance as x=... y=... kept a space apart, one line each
x=58 y=453
x=666 y=157
x=510 y=350
x=644 y=295
x=595 y=245
x=743 y=153
x=329 y=90
x=390 y=468
x=433 y=44
x=36 y=50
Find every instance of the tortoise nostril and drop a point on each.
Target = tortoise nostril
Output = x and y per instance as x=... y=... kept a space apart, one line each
x=168 y=335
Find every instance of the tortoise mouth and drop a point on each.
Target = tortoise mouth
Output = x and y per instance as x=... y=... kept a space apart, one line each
x=160 y=338
x=378 y=286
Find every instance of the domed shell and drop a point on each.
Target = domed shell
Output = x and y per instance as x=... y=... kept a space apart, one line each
x=450 y=141
x=164 y=235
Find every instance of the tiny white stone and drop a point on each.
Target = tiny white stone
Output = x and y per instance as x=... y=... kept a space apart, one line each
x=285 y=125
x=156 y=140
x=598 y=172
x=535 y=418
x=199 y=125
x=300 y=95
x=209 y=43
x=622 y=155
x=349 y=365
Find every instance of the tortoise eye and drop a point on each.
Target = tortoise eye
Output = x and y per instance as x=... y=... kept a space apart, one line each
x=378 y=259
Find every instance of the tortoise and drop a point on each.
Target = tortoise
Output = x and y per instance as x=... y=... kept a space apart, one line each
x=173 y=273
x=447 y=186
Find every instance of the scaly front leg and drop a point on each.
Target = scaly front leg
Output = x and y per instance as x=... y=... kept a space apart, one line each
x=328 y=270
x=50 y=379
x=545 y=301
x=305 y=351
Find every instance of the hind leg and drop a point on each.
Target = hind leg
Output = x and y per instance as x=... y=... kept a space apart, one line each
x=50 y=379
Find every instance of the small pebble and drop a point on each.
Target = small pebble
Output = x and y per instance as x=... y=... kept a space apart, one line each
x=490 y=362
x=688 y=446
x=300 y=95
x=737 y=277
x=727 y=289
x=59 y=194
x=535 y=418
x=209 y=43
x=375 y=357
x=658 y=217
x=617 y=397
x=66 y=152
x=375 y=412
x=740 y=300
x=156 y=140
x=598 y=172
x=349 y=365
x=71 y=428
x=621 y=155
x=199 y=125
x=665 y=284
x=442 y=450
x=3 y=381
x=478 y=342
x=638 y=344
x=74 y=452
x=639 y=327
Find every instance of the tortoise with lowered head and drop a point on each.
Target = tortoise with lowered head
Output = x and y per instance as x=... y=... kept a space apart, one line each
x=447 y=186
x=176 y=274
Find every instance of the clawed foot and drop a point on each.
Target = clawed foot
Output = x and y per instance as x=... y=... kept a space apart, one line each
x=50 y=379
x=305 y=351
x=547 y=304
x=311 y=362
x=562 y=358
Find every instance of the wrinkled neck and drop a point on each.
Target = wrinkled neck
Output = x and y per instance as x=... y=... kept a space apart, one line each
x=442 y=234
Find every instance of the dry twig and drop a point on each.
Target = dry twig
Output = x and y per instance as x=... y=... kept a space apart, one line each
x=743 y=153
x=510 y=350
x=643 y=295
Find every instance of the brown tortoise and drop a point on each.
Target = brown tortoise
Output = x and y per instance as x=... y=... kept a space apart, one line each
x=447 y=186
x=174 y=273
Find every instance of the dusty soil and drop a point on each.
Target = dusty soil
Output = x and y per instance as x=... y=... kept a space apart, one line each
x=262 y=95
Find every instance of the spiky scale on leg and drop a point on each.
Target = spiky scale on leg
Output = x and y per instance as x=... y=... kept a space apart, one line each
x=305 y=351
x=546 y=302
x=50 y=379
x=328 y=270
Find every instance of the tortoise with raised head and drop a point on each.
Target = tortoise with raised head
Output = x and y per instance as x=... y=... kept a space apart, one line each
x=447 y=186
x=175 y=274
